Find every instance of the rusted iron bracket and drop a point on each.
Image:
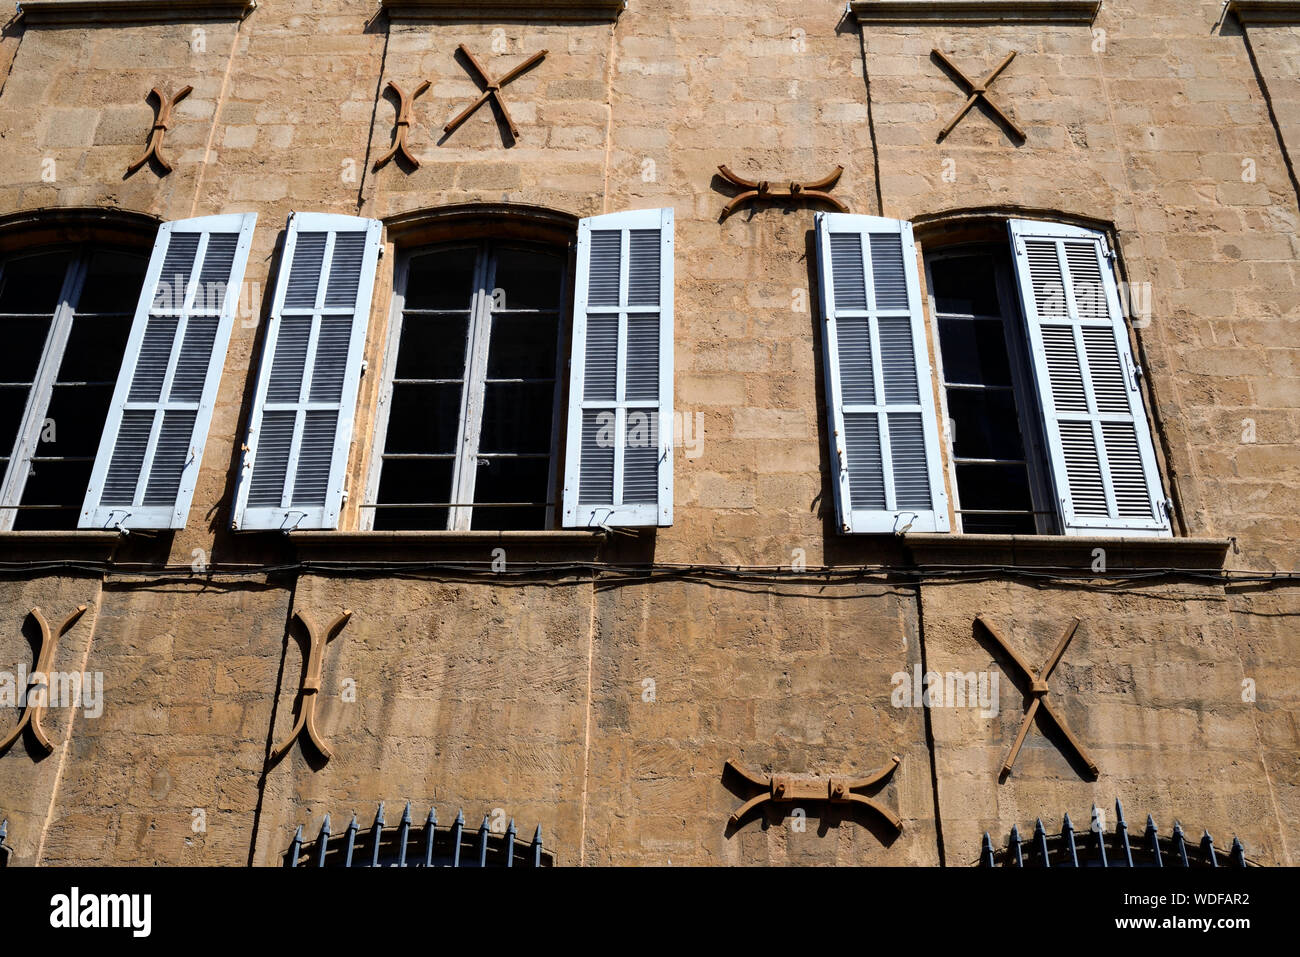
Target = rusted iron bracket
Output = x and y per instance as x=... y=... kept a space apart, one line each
x=783 y=789
x=311 y=681
x=1039 y=692
x=492 y=91
x=161 y=124
x=765 y=191
x=978 y=91
x=38 y=683
x=403 y=125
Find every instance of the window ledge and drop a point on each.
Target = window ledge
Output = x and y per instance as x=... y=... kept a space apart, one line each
x=975 y=11
x=480 y=10
x=80 y=545
x=133 y=11
x=478 y=546
x=1266 y=11
x=1067 y=551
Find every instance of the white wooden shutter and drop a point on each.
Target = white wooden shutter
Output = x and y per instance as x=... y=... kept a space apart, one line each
x=884 y=436
x=301 y=425
x=1103 y=463
x=619 y=450
x=157 y=425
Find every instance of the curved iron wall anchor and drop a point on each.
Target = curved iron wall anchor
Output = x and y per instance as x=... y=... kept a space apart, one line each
x=404 y=101
x=763 y=190
x=783 y=789
x=1039 y=691
x=978 y=91
x=38 y=683
x=492 y=91
x=160 y=126
x=311 y=677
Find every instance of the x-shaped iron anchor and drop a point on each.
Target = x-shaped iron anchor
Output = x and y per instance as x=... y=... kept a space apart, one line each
x=311 y=679
x=783 y=789
x=978 y=91
x=492 y=91
x=38 y=684
x=403 y=125
x=1038 y=689
x=160 y=126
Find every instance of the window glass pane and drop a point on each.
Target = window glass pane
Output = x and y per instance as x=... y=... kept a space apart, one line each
x=13 y=400
x=432 y=347
x=74 y=420
x=974 y=351
x=423 y=418
x=441 y=280
x=24 y=341
x=53 y=483
x=33 y=283
x=994 y=487
x=965 y=285
x=412 y=481
x=984 y=425
x=511 y=480
x=113 y=282
x=522 y=347
x=528 y=279
x=517 y=417
x=95 y=348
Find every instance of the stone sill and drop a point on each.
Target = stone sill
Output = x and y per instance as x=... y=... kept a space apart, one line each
x=974 y=11
x=75 y=545
x=1067 y=551
x=1266 y=11
x=132 y=11
x=435 y=545
x=477 y=11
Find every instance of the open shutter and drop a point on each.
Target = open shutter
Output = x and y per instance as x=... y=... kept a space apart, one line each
x=157 y=425
x=619 y=453
x=1103 y=463
x=301 y=426
x=884 y=436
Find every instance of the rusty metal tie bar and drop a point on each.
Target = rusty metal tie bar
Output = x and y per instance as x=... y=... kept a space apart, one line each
x=40 y=679
x=492 y=91
x=978 y=91
x=161 y=123
x=403 y=126
x=783 y=789
x=763 y=190
x=311 y=684
x=1039 y=691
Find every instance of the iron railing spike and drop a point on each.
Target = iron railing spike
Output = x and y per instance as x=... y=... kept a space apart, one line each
x=323 y=842
x=510 y=844
x=351 y=840
x=1180 y=844
x=1153 y=840
x=1121 y=834
x=483 y=842
x=1017 y=858
x=1237 y=856
x=406 y=813
x=430 y=832
x=295 y=846
x=986 y=852
x=1067 y=832
x=1097 y=830
x=403 y=832
x=1207 y=850
x=1040 y=839
x=378 y=833
x=536 y=847
x=457 y=828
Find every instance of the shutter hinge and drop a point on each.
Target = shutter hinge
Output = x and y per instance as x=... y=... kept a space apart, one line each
x=1169 y=508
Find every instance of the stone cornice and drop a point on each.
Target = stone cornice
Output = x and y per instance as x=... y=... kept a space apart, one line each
x=132 y=11
x=503 y=10
x=974 y=11
x=1266 y=11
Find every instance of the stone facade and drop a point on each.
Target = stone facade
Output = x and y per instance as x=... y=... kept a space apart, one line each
x=1157 y=123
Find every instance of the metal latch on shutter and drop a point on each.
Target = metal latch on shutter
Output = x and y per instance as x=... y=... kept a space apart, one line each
x=1134 y=373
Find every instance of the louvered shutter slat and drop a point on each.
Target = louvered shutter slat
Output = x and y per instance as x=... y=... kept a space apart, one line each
x=879 y=397
x=149 y=455
x=1103 y=460
x=618 y=459
x=301 y=425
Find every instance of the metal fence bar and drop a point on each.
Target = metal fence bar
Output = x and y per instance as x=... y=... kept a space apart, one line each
x=482 y=842
x=1121 y=834
x=1017 y=857
x=510 y=844
x=1207 y=850
x=378 y=832
x=1180 y=845
x=295 y=846
x=430 y=832
x=1067 y=832
x=1098 y=836
x=537 y=847
x=403 y=829
x=1238 y=855
x=1040 y=838
x=1153 y=842
x=323 y=842
x=986 y=852
x=352 y=839
x=457 y=828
